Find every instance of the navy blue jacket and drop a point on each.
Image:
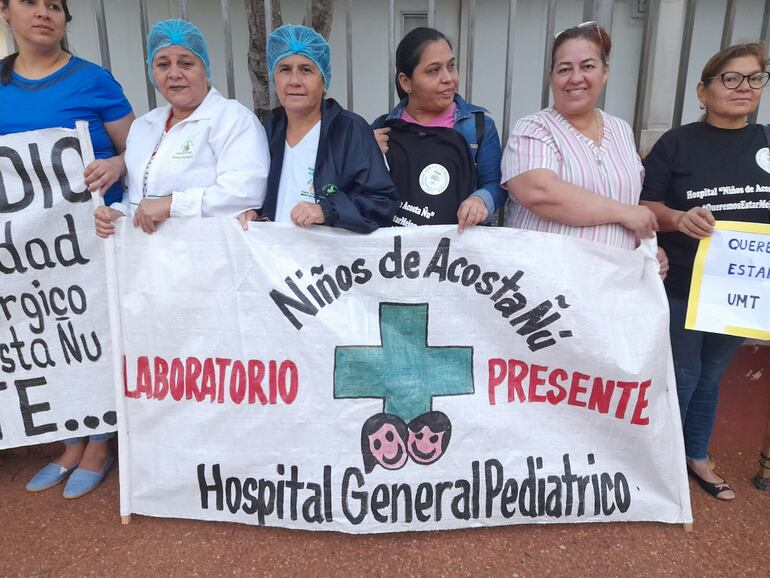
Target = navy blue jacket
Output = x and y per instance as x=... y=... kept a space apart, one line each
x=351 y=182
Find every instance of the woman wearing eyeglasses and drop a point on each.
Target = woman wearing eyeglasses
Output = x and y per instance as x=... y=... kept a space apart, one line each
x=693 y=175
x=571 y=168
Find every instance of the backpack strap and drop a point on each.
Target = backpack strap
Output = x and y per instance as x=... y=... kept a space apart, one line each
x=480 y=126
x=479 y=117
x=766 y=128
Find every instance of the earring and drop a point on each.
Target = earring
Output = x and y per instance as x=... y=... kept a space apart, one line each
x=702 y=106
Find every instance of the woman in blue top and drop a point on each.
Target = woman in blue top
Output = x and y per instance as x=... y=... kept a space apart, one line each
x=44 y=86
x=426 y=81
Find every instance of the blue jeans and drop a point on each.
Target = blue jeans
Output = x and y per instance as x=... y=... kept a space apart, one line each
x=700 y=360
x=93 y=438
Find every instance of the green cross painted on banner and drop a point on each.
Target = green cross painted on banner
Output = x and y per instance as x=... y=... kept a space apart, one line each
x=405 y=371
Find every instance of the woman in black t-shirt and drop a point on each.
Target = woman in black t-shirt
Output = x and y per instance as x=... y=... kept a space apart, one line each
x=692 y=175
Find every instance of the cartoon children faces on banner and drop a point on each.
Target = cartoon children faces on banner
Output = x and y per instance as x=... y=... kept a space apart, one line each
x=388 y=441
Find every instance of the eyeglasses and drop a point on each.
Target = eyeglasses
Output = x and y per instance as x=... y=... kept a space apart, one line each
x=592 y=23
x=732 y=80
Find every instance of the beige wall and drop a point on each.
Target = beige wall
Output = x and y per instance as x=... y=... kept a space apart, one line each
x=370 y=50
x=5 y=40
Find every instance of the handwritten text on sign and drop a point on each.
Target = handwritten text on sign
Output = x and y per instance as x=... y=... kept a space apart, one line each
x=404 y=380
x=55 y=378
x=731 y=281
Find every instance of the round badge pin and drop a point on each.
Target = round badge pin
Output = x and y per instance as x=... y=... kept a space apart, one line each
x=434 y=179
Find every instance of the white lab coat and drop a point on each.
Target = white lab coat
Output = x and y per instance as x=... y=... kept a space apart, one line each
x=213 y=164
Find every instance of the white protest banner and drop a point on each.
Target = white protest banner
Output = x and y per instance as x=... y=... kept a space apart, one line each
x=730 y=291
x=411 y=379
x=56 y=377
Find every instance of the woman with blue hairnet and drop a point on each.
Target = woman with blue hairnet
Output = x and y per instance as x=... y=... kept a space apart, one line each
x=326 y=167
x=201 y=155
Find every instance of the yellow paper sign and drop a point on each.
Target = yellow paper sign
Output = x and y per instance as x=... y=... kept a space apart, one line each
x=730 y=290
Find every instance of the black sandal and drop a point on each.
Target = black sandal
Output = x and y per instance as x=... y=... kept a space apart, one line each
x=712 y=488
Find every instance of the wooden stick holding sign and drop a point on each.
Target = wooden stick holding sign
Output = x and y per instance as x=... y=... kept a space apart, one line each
x=116 y=335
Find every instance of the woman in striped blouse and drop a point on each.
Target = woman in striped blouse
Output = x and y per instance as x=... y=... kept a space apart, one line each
x=572 y=168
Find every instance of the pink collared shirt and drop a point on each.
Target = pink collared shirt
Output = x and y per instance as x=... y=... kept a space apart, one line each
x=547 y=140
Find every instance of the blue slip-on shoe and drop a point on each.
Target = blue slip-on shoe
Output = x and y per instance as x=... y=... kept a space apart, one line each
x=82 y=481
x=47 y=477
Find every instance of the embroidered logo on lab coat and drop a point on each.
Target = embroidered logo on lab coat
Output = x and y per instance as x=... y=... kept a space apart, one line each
x=184 y=152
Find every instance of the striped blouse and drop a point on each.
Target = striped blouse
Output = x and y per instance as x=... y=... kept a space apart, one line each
x=547 y=140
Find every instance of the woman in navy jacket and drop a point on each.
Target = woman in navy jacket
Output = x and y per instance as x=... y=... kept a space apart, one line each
x=326 y=167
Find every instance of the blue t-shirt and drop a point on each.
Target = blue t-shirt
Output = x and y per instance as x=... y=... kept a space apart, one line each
x=80 y=90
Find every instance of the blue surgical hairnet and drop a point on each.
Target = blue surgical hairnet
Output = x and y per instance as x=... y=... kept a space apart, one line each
x=176 y=32
x=295 y=39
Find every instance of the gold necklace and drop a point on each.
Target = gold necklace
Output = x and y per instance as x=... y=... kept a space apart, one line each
x=600 y=136
x=599 y=129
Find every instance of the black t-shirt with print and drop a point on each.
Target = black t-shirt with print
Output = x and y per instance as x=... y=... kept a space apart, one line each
x=433 y=171
x=726 y=171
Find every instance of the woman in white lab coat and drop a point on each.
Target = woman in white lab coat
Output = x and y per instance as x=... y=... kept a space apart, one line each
x=201 y=155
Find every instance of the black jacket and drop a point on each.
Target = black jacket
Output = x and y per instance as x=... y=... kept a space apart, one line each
x=351 y=182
